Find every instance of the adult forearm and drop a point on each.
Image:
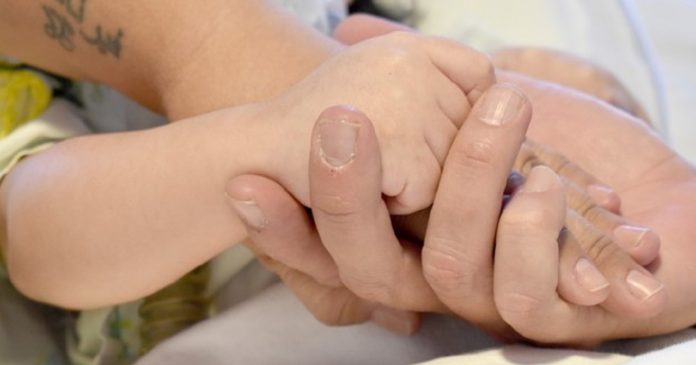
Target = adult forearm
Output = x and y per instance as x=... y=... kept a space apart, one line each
x=177 y=57
x=104 y=219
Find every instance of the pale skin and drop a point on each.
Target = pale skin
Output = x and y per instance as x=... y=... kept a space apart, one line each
x=127 y=211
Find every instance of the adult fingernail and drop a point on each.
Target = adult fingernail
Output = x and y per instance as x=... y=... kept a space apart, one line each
x=337 y=141
x=395 y=320
x=501 y=104
x=643 y=286
x=250 y=213
x=589 y=276
x=603 y=195
x=630 y=236
x=539 y=180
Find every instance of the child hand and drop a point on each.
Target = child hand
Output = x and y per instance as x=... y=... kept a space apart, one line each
x=417 y=90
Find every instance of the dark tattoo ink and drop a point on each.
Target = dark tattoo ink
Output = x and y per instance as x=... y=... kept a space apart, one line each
x=76 y=11
x=59 y=28
x=106 y=43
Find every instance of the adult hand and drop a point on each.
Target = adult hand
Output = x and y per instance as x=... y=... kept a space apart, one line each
x=373 y=262
x=656 y=188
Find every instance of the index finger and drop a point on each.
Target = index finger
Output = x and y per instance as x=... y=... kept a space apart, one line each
x=457 y=256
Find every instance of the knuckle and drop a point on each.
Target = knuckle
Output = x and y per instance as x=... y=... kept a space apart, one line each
x=368 y=287
x=517 y=308
x=596 y=214
x=483 y=65
x=472 y=154
x=447 y=270
x=335 y=205
x=579 y=201
x=600 y=248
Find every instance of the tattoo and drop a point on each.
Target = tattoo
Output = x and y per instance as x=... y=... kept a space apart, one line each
x=78 y=13
x=60 y=28
x=106 y=43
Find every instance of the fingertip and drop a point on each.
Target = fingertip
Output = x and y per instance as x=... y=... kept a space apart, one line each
x=636 y=293
x=595 y=288
x=641 y=243
x=243 y=187
x=605 y=197
x=541 y=179
x=397 y=321
x=648 y=291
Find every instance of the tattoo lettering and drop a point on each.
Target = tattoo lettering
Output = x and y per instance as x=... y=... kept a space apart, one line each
x=76 y=11
x=106 y=43
x=58 y=28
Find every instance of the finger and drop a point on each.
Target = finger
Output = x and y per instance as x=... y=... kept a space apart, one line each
x=340 y=307
x=533 y=154
x=359 y=27
x=580 y=281
x=635 y=292
x=640 y=242
x=280 y=228
x=337 y=306
x=352 y=219
x=459 y=240
x=527 y=267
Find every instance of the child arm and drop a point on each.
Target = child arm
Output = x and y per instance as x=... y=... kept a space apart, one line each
x=103 y=219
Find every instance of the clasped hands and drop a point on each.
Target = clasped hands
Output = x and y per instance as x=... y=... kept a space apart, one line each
x=539 y=270
x=566 y=261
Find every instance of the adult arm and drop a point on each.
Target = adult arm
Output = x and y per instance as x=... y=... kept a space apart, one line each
x=178 y=57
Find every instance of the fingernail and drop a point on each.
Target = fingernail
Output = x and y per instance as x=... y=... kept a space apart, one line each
x=643 y=286
x=589 y=276
x=395 y=320
x=337 y=141
x=603 y=195
x=250 y=213
x=539 y=180
x=501 y=104
x=630 y=236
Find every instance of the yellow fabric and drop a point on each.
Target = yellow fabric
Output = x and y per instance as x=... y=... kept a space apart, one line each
x=24 y=95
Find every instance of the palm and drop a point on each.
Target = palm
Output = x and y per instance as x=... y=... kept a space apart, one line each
x=657 y=187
